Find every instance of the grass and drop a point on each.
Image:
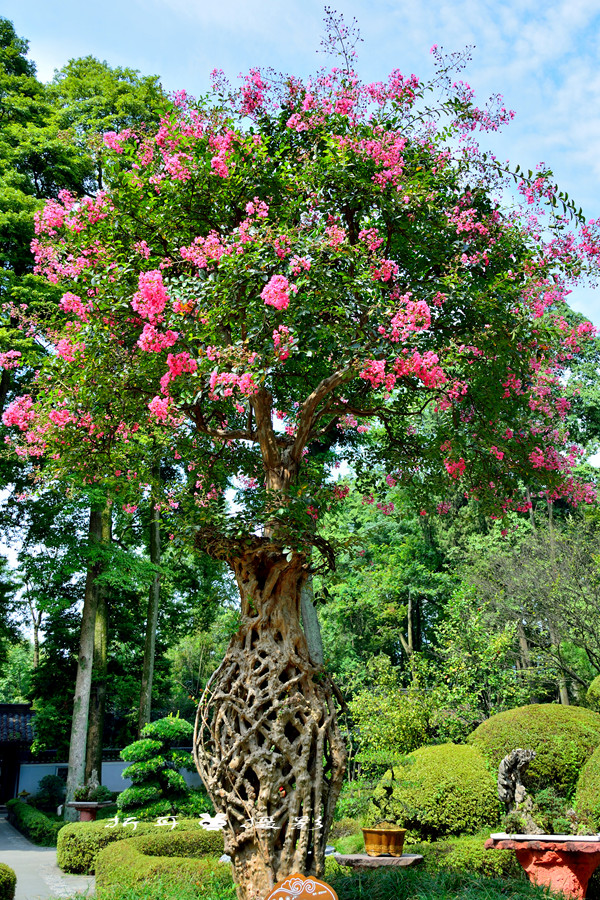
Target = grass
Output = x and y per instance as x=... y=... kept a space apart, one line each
x=407 y=884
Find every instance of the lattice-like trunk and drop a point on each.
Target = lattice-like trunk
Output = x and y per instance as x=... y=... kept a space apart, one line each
x=267 y=742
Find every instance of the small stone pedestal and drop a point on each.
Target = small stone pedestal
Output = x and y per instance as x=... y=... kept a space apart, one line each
x=88 y=810
x=362 y=861
x=560 y=862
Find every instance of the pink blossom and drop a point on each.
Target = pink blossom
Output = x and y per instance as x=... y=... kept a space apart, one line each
x=153 y=341
x=159 y=407
x=456 y=468
x=20 y=413
x=151 y=298
x=277 y=292
x=10 y=360
x=72 y=303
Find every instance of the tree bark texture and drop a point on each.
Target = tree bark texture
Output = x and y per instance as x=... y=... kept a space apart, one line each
x=267 y=744
x=151 y=621
x=99 y=672
x=83 y=683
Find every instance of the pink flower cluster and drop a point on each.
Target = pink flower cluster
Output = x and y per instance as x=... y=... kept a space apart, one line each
x=277 y=292
x=72 y=303
x=455 y=468
x=413 y=316
x=178 y=364
x=20 y=413
x=10 y=360
x=227 y=381
x=283 y=342
x=151 y=298
x=204 y=252
x=114 y=141
x=153 y=341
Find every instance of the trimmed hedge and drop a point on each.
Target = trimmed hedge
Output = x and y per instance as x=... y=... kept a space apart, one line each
x=185 y=857
x=439 y=790
x=467 y=854
x=80 y=843
x=587 y=792
x=32 y=822
x=8 y=882
x=563 y=737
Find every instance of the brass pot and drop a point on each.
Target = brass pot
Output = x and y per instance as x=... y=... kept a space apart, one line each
x=384 y=840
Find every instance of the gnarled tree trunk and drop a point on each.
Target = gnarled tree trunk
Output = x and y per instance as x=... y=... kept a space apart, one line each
x=267 y=742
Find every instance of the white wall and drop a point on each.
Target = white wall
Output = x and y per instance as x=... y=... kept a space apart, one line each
x=31 y=773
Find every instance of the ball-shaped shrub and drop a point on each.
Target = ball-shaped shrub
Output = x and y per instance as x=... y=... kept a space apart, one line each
x=438 y=791
x=8 y=882
x=563 y=738
x=587 y=792
x=593 y=694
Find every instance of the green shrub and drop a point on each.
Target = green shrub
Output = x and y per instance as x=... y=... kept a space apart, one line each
x=33 y=823
x=593 y=694
x=440 y=790
x=79 y=843
x=8 y=882
x=587 y=792
x=158 y=787
x=563 y=737
x=466 y=853
x=51 y=792
x=175 y=858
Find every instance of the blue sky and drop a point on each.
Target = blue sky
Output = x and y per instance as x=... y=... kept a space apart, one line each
x=544 y=59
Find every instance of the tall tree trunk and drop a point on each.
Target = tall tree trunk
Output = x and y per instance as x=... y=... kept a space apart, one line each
x=267 y=743
x=563 y=692
x=152 y=615
x=83 y=683
x=95 y=731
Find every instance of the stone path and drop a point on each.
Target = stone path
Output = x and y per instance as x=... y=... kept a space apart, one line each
x=38 y=876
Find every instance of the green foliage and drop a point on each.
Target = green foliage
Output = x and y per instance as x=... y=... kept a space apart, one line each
x=80 y=842
x=437 y=791
x=94 y=793
x=563 y=738
x=354 y=799
x=384 y=565
x=587 y=791
x=390 y=723
x=174 y=857
x=15 y=679
x=471 y=674
x=466 y=853
x=8 y=882
x=33 y=823
x=593 y=694
x=158 y=787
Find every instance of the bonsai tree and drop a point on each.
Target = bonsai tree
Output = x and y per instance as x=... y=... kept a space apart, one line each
x=158 y=786
x=277 y=271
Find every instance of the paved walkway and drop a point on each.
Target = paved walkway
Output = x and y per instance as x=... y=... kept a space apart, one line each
x=38 y=876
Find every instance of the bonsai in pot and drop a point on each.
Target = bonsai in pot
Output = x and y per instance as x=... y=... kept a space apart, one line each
x=384 y=837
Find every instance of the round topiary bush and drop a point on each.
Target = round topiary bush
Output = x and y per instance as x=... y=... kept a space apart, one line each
x=593 y=693
x=563 y=737
x=587 y=792
x=438 y=791
x=8 y=882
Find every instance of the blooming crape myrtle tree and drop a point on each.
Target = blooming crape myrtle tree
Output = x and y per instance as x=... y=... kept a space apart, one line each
x=280 y=265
